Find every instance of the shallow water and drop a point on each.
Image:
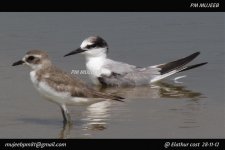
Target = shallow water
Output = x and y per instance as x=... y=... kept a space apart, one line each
x=191 y=109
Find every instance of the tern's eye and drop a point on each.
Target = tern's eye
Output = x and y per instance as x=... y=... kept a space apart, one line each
x=30 y=58
x=91 y=46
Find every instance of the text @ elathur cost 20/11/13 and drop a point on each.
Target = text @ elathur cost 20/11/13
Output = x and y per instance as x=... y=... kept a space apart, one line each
x=191 y=144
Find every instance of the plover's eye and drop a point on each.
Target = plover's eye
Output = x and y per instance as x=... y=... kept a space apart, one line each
x=30 y=58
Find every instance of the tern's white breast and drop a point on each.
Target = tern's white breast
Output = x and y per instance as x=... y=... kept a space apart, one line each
x=95 y=67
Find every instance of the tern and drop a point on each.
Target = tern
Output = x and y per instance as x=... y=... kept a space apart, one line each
x=108 y=72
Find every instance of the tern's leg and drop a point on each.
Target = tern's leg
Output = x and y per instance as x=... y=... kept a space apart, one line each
x=65 y=114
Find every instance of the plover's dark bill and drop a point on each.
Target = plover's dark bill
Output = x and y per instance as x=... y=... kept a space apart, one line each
x=58 y=86
x=108 y=72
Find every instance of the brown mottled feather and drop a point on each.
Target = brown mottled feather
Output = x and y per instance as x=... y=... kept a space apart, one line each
x=62 y=81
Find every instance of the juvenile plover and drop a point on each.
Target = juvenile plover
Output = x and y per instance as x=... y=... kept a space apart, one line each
x=58 y=86
x=107 y=72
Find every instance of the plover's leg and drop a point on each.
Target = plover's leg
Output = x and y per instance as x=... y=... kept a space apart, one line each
x=65 y=132
x=65 y=114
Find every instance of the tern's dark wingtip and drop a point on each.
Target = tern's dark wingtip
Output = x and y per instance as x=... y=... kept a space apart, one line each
x=197 y=53
x=193 y=66
x=204 y=63
x=201 y=64
x=65 y=55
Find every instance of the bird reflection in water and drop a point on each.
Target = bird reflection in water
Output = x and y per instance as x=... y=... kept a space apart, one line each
x=96 y=116
x=157 y=90
x=65 y=132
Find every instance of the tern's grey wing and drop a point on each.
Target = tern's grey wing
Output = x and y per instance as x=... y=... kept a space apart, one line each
x=123 y=74
x=139 y=76
x=118 y=67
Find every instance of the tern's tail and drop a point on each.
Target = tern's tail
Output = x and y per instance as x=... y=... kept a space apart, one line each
x=173 y=67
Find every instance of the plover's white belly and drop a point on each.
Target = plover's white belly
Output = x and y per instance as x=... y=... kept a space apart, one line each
x=63 y=97
x=59 y=97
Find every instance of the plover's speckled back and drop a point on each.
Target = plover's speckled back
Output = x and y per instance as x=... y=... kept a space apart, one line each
x=108 y=72
x=59 y=86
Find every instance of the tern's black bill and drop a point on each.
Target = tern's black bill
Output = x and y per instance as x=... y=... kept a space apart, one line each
x=20 y=62
x=79 y=50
